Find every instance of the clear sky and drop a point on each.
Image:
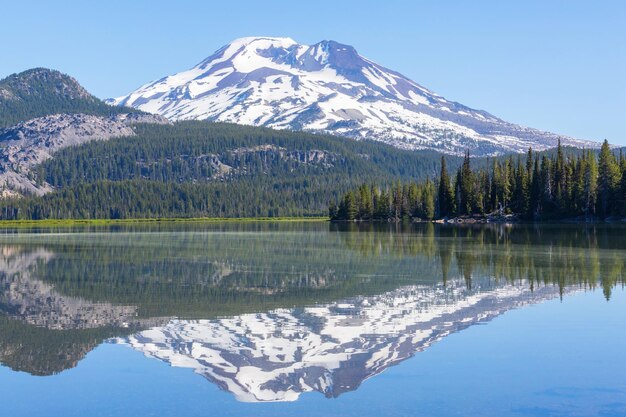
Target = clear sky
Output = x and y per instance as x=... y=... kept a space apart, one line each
x=552 y=64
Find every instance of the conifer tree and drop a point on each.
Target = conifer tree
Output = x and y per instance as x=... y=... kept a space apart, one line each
x=445 y=195
x=465 y=178
x=535 y=192
x=608 y=177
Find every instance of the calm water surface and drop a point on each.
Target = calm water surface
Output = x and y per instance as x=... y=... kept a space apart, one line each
x=312 y=319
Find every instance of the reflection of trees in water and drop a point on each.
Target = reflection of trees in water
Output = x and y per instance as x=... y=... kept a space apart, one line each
x=203 y=275
x=42 y=351
x=563 y=255
x=42 y=331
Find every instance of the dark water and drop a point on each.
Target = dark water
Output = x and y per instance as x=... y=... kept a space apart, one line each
x=312 y=319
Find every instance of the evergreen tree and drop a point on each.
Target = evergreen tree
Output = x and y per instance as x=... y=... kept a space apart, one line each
x=535 y=192
x=621 y=200
x=511 y=186
x=590 y=185
x=428 y=198
x=608 y=178
x=332 y=211
x=445 y=195
x=465 y=184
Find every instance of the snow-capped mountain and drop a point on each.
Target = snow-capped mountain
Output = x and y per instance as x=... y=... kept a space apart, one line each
x=328 y=87
x=332 y=348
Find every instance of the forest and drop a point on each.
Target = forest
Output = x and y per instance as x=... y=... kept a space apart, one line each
x=536 y=187
x=203 y=169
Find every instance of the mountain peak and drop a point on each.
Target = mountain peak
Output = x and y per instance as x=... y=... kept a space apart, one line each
x=328 y=87
x=338 y=55
x=249 y=40
x=40 y=81
x=41 y=92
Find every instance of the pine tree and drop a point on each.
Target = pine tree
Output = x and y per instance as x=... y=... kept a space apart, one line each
x=366 y=205
x=383 y=209
x=428 y=197
x=608 y=177
x=351 y=209
x=465 y=180
x=332 y=211
x=535 y=192
x=529 y=164
x=413 y=199
x=445 y=195
x=523 y=191
x=622 y=196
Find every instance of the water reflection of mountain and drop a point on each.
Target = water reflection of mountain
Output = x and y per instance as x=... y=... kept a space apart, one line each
x=330 y=348
x=38 y=303
x=43 y=331
x=62 y=294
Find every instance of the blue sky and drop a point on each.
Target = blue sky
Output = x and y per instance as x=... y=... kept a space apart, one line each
x=554 y=65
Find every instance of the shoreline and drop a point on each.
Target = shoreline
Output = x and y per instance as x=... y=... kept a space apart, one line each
x=165 y=220
x=6 y=224
x=512 y=220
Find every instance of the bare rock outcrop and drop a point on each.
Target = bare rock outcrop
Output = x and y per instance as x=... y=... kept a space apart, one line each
x=30 y=143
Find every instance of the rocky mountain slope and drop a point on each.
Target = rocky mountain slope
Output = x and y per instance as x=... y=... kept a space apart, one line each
x=30 y=143
x=43 y=111
x=328 y=87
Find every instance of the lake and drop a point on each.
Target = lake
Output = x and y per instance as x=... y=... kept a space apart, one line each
x=313 y=319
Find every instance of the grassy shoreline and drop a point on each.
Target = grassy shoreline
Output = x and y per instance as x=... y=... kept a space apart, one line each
x=109 y=222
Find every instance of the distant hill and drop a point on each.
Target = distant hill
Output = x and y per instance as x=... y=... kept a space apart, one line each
x=41 y=92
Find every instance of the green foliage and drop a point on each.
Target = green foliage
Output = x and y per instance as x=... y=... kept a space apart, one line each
x=395 y=203
x=558 y=186
x=188 y=151
x=445 y=196
x=203 y=169
x=609 y=178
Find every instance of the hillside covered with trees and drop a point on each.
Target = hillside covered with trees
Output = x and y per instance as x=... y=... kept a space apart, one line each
x=40 y=92
x=204 y=169
x=590 y=185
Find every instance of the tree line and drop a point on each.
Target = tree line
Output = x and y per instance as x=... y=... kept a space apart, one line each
x=590 y=185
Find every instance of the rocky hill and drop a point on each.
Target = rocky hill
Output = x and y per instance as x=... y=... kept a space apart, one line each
x=40 y=92
x=30 y=143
